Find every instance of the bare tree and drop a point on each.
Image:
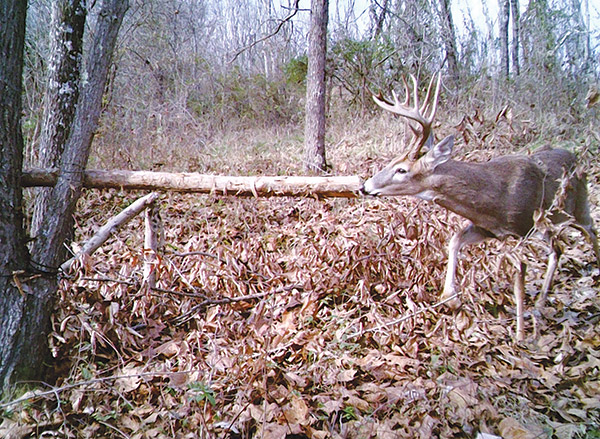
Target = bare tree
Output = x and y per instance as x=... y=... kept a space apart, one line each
x=449 y=37
x=504 y=18
x=29 y=290
x=378 y=10
x=55 y=230
x=516 y=36
x=509 y=47
x=314 y=131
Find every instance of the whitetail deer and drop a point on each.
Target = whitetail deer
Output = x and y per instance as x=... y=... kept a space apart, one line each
x=498 y=197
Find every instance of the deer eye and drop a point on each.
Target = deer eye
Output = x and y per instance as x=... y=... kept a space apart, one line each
x=401 y=171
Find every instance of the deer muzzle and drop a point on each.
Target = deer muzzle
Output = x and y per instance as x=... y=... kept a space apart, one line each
x=368 y=188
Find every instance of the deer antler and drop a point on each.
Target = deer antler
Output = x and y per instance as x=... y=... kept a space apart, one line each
x=423 y=114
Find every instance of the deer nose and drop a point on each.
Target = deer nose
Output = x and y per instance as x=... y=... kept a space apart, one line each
x=367 y=188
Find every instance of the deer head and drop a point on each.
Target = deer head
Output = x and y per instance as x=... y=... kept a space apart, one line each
x=405 y=175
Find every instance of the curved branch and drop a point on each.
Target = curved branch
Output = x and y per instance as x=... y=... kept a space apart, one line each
x=293 y=12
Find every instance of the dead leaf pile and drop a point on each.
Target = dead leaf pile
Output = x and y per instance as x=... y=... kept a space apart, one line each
x=288 y=318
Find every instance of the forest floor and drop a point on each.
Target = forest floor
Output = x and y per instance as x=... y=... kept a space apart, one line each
x=305 y=318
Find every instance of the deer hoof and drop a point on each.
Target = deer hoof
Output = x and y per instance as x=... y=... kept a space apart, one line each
x=451 y=298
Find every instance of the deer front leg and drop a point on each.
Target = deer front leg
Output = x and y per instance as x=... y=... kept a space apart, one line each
x=471 y=234
x=590 y=232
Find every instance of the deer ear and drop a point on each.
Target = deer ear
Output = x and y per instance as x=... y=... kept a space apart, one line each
x=439 y=153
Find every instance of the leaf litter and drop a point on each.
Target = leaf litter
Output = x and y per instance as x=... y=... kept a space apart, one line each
x=293 y=318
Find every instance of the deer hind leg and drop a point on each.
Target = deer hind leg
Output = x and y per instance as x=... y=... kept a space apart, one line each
x=584 y=220
x=468 y=235
x=590 y=232
x=553 y=257
x=519 y=288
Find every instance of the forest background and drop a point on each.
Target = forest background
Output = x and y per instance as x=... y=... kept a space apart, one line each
x=193 y=70
x=319 y=318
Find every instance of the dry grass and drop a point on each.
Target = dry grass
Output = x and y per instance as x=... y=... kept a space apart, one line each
x=304 y=318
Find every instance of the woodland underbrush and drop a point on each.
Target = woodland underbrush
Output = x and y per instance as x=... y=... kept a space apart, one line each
x=293 y=318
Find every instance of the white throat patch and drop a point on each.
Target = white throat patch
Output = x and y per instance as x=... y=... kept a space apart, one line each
x=427 y=195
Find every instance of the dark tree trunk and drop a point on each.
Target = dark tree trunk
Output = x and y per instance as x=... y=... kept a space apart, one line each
x=15 y=302
x=503 y=17
x=57 y=224
x=378 y=17
x=27 y=299
x=314 y=131
x=62 y=93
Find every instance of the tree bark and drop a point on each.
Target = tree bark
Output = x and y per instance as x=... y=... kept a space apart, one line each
x=17 y=303
x=62 y=93
x=314 y=131
x=449 y=36
x=504 y=17
x=56 y=229
x=28 y=291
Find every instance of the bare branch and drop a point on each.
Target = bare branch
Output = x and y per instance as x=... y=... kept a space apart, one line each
x=111 y=226
x=293 y=12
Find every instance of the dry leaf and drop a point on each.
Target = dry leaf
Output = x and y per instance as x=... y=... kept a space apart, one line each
x=296 y=411
x=511 y=429
x=168 y=349
x=130 y=379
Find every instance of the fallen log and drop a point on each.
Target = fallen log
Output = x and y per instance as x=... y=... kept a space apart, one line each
x=257 y=186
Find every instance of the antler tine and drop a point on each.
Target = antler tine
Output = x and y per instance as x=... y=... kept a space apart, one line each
x=422 y=114
x=427 y=102
x=415 y=94
x=403 y=109
x=394 y=107
x=406 y=102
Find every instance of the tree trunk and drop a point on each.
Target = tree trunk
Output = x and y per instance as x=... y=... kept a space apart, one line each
x=378 y=19
x=62 y=93
x=314 y=131
x=516 y=36
x=17 y=301
x=28 y=293
x=57 y=225
x=503 y=18
x=449 y=39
